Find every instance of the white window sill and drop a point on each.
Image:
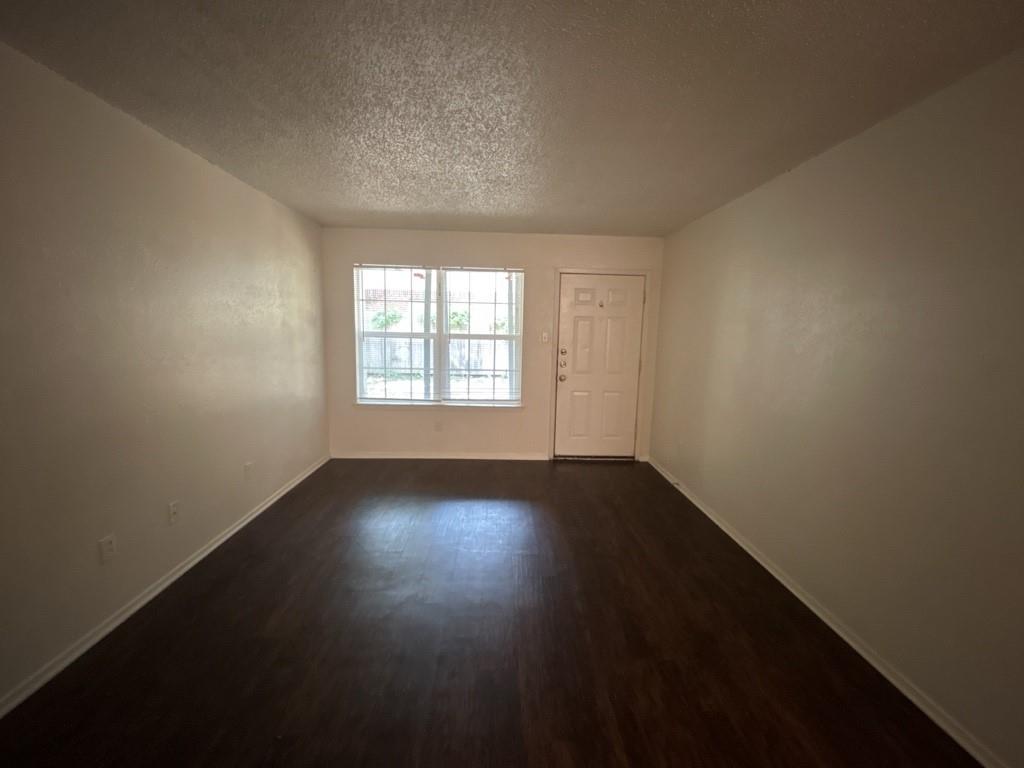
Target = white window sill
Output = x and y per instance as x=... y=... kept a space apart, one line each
x=434 y=404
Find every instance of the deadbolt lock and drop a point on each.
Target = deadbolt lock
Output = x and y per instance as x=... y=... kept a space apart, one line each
x=563 y=351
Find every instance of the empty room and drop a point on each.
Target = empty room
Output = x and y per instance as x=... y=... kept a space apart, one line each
x=495 y=383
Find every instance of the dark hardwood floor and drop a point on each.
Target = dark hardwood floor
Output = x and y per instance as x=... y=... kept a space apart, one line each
x=446 y=613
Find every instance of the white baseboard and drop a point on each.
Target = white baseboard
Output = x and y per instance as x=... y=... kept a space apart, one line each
x=44 y=674
x=924 y=702
x=440 y=455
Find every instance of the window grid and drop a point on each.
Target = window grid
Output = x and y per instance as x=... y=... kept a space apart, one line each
x=450 y=335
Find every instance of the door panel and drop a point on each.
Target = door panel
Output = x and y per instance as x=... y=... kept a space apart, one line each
x=583 y=342
x=580 y=414
x=614 y=344
x=612 y=414
x=600 y=324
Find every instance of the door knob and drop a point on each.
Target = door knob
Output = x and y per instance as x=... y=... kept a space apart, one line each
x=562 y=377
x=563 y=351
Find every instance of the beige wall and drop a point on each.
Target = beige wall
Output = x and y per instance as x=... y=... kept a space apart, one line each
x=160 y=325
x=843 y=385
x=439 y=430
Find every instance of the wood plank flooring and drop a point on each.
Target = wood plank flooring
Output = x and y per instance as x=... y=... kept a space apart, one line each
x=453 y=613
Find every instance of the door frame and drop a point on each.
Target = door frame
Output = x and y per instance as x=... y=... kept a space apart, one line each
x=650 y=303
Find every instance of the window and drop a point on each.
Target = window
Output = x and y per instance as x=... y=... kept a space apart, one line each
x=446 y=335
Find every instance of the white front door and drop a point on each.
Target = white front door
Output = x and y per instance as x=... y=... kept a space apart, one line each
x=600 y=321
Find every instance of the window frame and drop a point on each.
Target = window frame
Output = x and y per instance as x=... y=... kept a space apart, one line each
x=438 y=380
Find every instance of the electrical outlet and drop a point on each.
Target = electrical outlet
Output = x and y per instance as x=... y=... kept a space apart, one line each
x=172 y=512
x=108 y=548
x=248 y=469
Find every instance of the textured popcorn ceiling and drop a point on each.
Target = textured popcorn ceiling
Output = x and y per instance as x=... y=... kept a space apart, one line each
x=587 y=117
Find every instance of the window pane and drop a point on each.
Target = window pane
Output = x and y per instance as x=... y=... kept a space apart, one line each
x=503 y=359
x=373 y=383
x=458 y=317
x=481 y=286
x=372 y=281
x=456 y=284
x=397 y=386
x=458 y=354
x=458 y=383
x=481 y=387
x=418 y=384
x=387 y=304
x=372 y=310
x=481 y=354
x=500 y=324
x=372 y=352
x=418 y=284
x=399 y=316
x=514 y=294
x=422 y=321
x=421 y=375
x=481 y=318
x=503 y=386
x=369 y=296
x=398 y=281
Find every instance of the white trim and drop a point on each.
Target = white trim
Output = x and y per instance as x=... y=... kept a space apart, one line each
x=477 y=456
x=924 y=702
x=48 y=671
